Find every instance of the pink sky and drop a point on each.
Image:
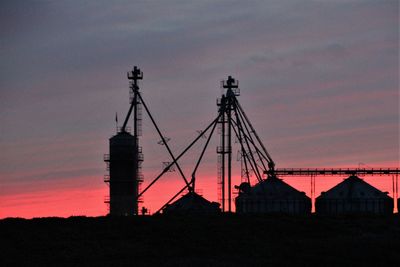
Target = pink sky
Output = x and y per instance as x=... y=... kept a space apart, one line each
x=319 y=81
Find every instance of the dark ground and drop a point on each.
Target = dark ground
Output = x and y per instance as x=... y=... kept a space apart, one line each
x=228 y=240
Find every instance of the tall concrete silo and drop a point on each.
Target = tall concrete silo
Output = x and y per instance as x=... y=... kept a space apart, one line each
x=125 y=158
x=124 y=179
x=272 y=195
x=354 y=196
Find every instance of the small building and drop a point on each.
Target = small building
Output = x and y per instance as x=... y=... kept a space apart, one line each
x=354 y=196
x=192 y=203
x=272 y=195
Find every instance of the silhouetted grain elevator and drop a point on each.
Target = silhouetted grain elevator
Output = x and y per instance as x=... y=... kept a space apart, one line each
x=125 y=158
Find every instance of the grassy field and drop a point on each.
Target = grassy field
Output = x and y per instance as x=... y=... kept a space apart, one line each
x=228 y=240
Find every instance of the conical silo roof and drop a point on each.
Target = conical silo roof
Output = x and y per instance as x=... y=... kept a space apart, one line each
x=192 y=203
x=353 y=188
x=271 y=195
x=275 y=188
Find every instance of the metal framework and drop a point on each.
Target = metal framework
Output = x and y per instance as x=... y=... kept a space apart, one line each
x=232 y=121
x=134 y=162
x=134 y=76
x=253 y=154
x=136 y=102
x=313 y=172
x=335 y=171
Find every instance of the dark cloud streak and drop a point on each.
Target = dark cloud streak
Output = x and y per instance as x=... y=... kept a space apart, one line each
x=305 y=68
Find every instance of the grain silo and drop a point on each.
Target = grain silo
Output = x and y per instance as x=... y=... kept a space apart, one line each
x=125 y=158
x=124 y=179
x=192 y=203
x=272 y=195
x=354 y=196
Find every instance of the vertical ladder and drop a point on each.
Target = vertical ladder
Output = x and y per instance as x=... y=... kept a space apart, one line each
x=139 y=117
x=219 y=178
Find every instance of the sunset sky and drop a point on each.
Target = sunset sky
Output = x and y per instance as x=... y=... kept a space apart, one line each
x=318 y=79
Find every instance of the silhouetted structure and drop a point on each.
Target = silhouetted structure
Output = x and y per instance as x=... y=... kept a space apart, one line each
x=272 y=195
x=233 y=122
x=192 y=203
x=267 y=196
x=353 y=196
x=125 y=158
x=124 y=182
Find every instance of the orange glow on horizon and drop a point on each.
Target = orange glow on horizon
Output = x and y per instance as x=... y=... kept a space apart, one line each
x=88 y=200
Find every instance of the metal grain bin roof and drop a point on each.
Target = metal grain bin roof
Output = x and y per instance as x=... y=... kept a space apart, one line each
x=192 y=203
x=353 y=188
x=274 y=188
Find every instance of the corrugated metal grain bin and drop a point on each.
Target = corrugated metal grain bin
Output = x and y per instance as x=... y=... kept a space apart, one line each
x=192 y=203
x=272 y=195
x=354 y=196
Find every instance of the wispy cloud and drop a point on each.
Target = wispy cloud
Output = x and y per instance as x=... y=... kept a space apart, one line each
x=319 y=80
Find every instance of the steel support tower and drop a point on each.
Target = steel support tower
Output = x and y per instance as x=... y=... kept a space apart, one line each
x=225 y=109
x=134 y=76
x=125 y=158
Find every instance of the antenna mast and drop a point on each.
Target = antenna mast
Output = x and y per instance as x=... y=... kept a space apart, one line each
x=134 y=76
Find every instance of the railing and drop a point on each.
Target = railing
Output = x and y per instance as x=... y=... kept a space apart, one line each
x=334 y=171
